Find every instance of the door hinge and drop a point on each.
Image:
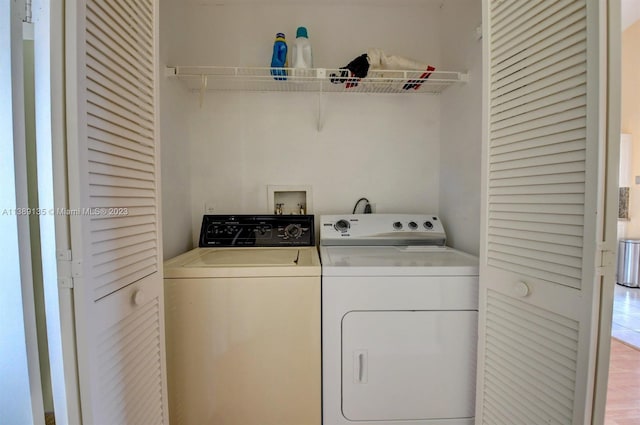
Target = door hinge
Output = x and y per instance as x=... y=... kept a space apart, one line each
x=606 y=259
x=65 y=269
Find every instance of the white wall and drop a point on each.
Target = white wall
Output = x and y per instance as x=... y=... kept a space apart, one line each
x=241 y=32
x=381 y=147
x=384 y=147
x=175 y=178
x=461 y=125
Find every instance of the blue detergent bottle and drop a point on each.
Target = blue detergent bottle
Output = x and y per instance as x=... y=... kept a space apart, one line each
x=279 y=58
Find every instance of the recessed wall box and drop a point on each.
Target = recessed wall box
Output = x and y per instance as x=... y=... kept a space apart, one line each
x=289 y=199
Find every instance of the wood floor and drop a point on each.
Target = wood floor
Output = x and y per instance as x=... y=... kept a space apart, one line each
x=623 y=396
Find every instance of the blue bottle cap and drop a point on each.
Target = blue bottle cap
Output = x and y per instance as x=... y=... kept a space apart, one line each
x=302 y=32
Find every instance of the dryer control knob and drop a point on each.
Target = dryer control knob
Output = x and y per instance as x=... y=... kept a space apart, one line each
x=413 y=225
x=342 y=225
x=397 y=225
x=428 y=225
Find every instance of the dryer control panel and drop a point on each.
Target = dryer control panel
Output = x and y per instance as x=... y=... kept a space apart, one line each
x=381 y=229
x=256 y=230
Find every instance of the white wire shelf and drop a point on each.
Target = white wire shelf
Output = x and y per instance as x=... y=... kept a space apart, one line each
x=219 y=78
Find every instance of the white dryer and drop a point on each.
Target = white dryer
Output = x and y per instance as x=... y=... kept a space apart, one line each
x=399 y=322
x=243 y=324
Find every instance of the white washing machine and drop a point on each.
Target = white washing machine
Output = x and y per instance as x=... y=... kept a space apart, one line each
x=399 y=322
x=243 y=324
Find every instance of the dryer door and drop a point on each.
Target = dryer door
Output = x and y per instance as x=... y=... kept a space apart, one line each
x=408 y=365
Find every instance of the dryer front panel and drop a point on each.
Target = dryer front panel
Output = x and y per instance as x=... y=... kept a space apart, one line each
x=408 y=365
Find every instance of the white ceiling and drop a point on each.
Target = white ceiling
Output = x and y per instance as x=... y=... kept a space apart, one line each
x=630 y=12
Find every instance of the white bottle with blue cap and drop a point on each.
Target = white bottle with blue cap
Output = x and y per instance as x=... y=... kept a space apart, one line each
x=301 y=52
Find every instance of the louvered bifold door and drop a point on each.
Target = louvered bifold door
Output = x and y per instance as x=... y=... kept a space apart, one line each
x=113 y=155
x=541 y=211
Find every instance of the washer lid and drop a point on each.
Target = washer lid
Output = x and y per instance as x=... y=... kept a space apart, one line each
x=246 y=258
x=244 y=262
x=392 y=260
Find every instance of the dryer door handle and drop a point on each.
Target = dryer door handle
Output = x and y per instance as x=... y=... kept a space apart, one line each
x=360 y=369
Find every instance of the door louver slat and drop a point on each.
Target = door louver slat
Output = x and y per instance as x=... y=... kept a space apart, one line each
x=113 y=245
x=553 y=170
x=143 y=9
x=569 y=241
x=539 y=90
x=503 y=13
x=538 y=246
x=534 y=63
x=569 y=36
x=565 y=273
x=542 y=256
x=538 y=189
x=121 y=139
x=107 y=273
x=119 y=102
x=119 y=222
x=539 y=180
x=97 y=135
x=543 y=150
x=558 y=229
x=113 y=150
x=544 y=135
x=108 y=113
x=524 y=267
x=541 y=208
x=124 y=23
x=537 y=151
x=133 y=363
x=123 y=12
x=540 y=218
x=103 y=56
x=522 y=360
x=562 y=67
x=560 y=157
x=121 y=277
x=525 y=31
x=537 y=199
x=569 y=98
x=116 y=162
x=543 y=112
x=129 y=49
x=539 y=122
x=122 y=232
x=109 y=180
x=116 y=74
x=122 y=253
x=121 y=133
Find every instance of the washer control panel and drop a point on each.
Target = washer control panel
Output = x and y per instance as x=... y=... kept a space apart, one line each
x=256 y=230
x=381 y=229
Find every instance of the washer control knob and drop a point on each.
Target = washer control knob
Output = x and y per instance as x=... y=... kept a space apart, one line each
x=397 y=225
x=413 y=225
x=293 y=231
x=342 y=225
x=428 y=225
